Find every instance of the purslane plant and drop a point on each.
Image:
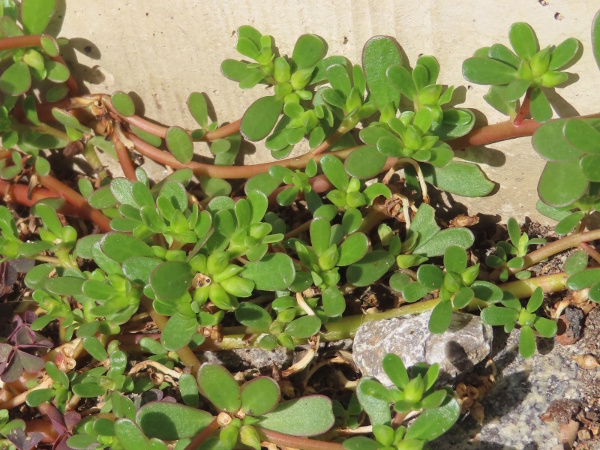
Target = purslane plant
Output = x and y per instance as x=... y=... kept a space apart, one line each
x=171 y=267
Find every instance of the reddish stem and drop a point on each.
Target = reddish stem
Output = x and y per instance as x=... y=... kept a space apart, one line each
x=524 y=109
x=9 y=43
x=77 y=201
x=223 y=131
x=123 y=155
x=18 y=193
x=203 y=435
x=297 y=441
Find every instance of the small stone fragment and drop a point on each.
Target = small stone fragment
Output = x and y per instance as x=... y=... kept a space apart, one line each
x=586 y=361
x=466 y=342
x=568 y=432
x=570 y=326
x=562 y=411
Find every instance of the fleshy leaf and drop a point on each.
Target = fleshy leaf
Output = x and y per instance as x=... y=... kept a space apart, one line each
x=170 y=421
x=523 y=40
x=15 y=80
x=260 y=118
x=178 y=331
x=370 y=268
x=365 y=162
x=379 y=53
x=459 y=178
x=171 y=280
x=219 y=386
x=432 y=423
x=129 y=434
x=488 y=71
x=123 y=103
x=562 y=183
x=274 y=272
x=259 y=396
x=309 y=416
x=180 y=144
x=309 y=49
x=36 y=15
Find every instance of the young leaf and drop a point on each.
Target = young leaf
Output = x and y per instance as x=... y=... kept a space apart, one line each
x=123 y=103
x=395 y=370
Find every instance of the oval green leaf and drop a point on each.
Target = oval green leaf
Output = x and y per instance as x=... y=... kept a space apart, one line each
x=219 y=387
x=562 y=183
x=171 y=280
x=308 y=416
x=259 y=396
x=260 y=118
x=170 y=421
x=370 y=268
x=274 y=272
x=365 y=162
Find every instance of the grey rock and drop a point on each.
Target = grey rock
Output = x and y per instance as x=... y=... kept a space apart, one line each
x=466 y=342
x=249 y=358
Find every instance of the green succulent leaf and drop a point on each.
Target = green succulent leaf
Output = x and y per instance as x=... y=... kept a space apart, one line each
x=576 y=263
x=219 y=387
x=523 y=40
x=497 y=315
x=540 y=106
x=365 y=162
x=309 y=49
x=123 y=103
x=171 y=421
x=437 y=245
x=260 y=118
x=432 y=423
x=171 y=279
x=526 y=342
x=596 y=38
x=15 y=80
x=564 y=53
x=260 y=396
x=308 y=416
x=370 y=268
x=274 y=272
x=562 y=183
x=459 y=178
x=440 y=317
x=178 y=331
x=180 y=144
x=379 y=53
x=304 y=327
x=488 y=71
x=584 y=279
x=36 y=15
x=353 y=249
x=253 y=316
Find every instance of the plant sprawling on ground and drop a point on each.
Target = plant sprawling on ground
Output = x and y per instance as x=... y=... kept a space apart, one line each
x=123 y=281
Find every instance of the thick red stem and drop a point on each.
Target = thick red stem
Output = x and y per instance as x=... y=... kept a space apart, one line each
x=77 y=201
x=124 y=159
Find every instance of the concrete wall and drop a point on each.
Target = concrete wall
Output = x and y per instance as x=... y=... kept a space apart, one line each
x=162 y=51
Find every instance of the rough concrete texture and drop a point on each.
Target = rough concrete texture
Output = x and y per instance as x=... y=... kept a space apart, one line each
x=524 y=391
x=466 y=342
x=161 y=51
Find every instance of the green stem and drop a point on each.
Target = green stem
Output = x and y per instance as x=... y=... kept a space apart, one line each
x=90 y=155
x=552 y=249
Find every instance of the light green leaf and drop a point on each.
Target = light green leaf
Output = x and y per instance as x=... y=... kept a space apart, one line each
x=171 y=279
x=379 y=53
x=488 y=71
x=308 y=416
x=123 y=103
x=274 y=272
x=180 y=144
x=15 y=80
x=562 y=183
x=178 y=331
x=365 y=162
x=309 y=49
x=259 y=396
x=36 y=14
x=523 y=40
x=219 y=387
x=260 y=118
x=459 y=178
x=432 y=423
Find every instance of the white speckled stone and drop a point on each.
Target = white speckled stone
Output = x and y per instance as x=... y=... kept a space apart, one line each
x=466 y=342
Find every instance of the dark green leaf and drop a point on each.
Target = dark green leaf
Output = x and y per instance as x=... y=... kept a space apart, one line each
x=590 y=166
x=253 y=316
x=564 y=53
x=395 y=370
x=121 y=246
x=378 y=410
x=583 y=279
x=437 y=245
x=567 y=224
x=333 y=169
x=582 y=135
x=353 y=249
x=37 y=397
x=526 y=342
x=259 y=396
x=95 y=348
x=440 y=317
x=129 y=435
x=576 y=263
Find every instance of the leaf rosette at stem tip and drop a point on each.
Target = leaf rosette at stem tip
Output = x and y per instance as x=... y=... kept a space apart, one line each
x=525 y=71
